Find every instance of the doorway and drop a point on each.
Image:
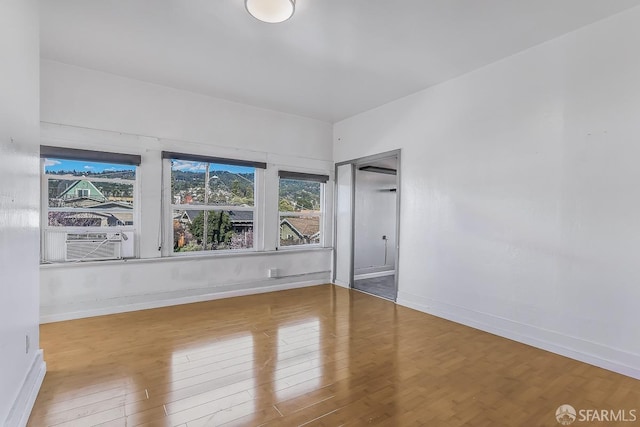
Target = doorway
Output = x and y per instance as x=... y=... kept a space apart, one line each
x=367 y=226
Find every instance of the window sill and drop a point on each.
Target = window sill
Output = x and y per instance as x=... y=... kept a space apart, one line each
x=295 y=248
x=183 y=258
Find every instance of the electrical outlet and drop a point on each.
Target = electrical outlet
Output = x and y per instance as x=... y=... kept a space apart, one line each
x=27 y=343
x=384 y=237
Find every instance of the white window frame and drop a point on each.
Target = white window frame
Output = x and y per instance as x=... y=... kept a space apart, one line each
x=320 y=215
x=170 y=207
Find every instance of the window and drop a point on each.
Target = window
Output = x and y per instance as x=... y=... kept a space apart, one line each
x=89 y=205
x=212 y=203
x=300 y=205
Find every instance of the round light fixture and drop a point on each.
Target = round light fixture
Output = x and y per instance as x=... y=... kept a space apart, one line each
x=271 y=11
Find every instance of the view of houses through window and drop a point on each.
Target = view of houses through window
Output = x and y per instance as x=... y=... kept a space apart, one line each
x=90 y=213
x=89 y=194
x=300 y=211
x=212 y=206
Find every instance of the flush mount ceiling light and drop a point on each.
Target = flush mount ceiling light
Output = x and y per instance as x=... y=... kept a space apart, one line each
x=271 y=11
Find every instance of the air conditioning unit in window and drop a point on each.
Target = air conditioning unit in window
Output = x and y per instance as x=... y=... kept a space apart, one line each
x=93 y=246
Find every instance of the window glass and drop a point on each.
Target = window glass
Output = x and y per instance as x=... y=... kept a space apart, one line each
x=212 y=206
x=200 y=183
x=300 y=212
x=89 y=194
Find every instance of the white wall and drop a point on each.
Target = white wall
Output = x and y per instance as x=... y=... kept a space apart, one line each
x=21 y=369
x=375 y=210
x=90 y=289
x=92 y=110
x=80 y=97
x=520 y=199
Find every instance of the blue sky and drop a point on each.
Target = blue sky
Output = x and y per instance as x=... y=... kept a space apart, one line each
x=189 y=166
x=57 y=165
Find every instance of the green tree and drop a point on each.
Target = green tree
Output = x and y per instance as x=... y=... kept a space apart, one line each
x=236 y=189
x=286 y=206
x=219 y=230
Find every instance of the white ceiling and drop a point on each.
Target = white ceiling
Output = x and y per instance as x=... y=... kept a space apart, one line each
x=333 y=59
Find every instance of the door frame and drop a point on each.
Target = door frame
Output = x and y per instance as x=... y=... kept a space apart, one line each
x=355 y=162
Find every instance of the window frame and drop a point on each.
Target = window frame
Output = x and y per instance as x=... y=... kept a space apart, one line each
x=82 y=155
x=169 y=207
x=302 y=176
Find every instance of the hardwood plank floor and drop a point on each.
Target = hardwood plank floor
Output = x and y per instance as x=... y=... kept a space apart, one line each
x=319 y=356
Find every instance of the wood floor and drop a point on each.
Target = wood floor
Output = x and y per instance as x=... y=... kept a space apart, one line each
x=319 y=356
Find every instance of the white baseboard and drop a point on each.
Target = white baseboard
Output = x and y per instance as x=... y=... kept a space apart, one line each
x=341 y=283
x=259 y=288
x=21 y=409
x=374 y=275
x=584 y=351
